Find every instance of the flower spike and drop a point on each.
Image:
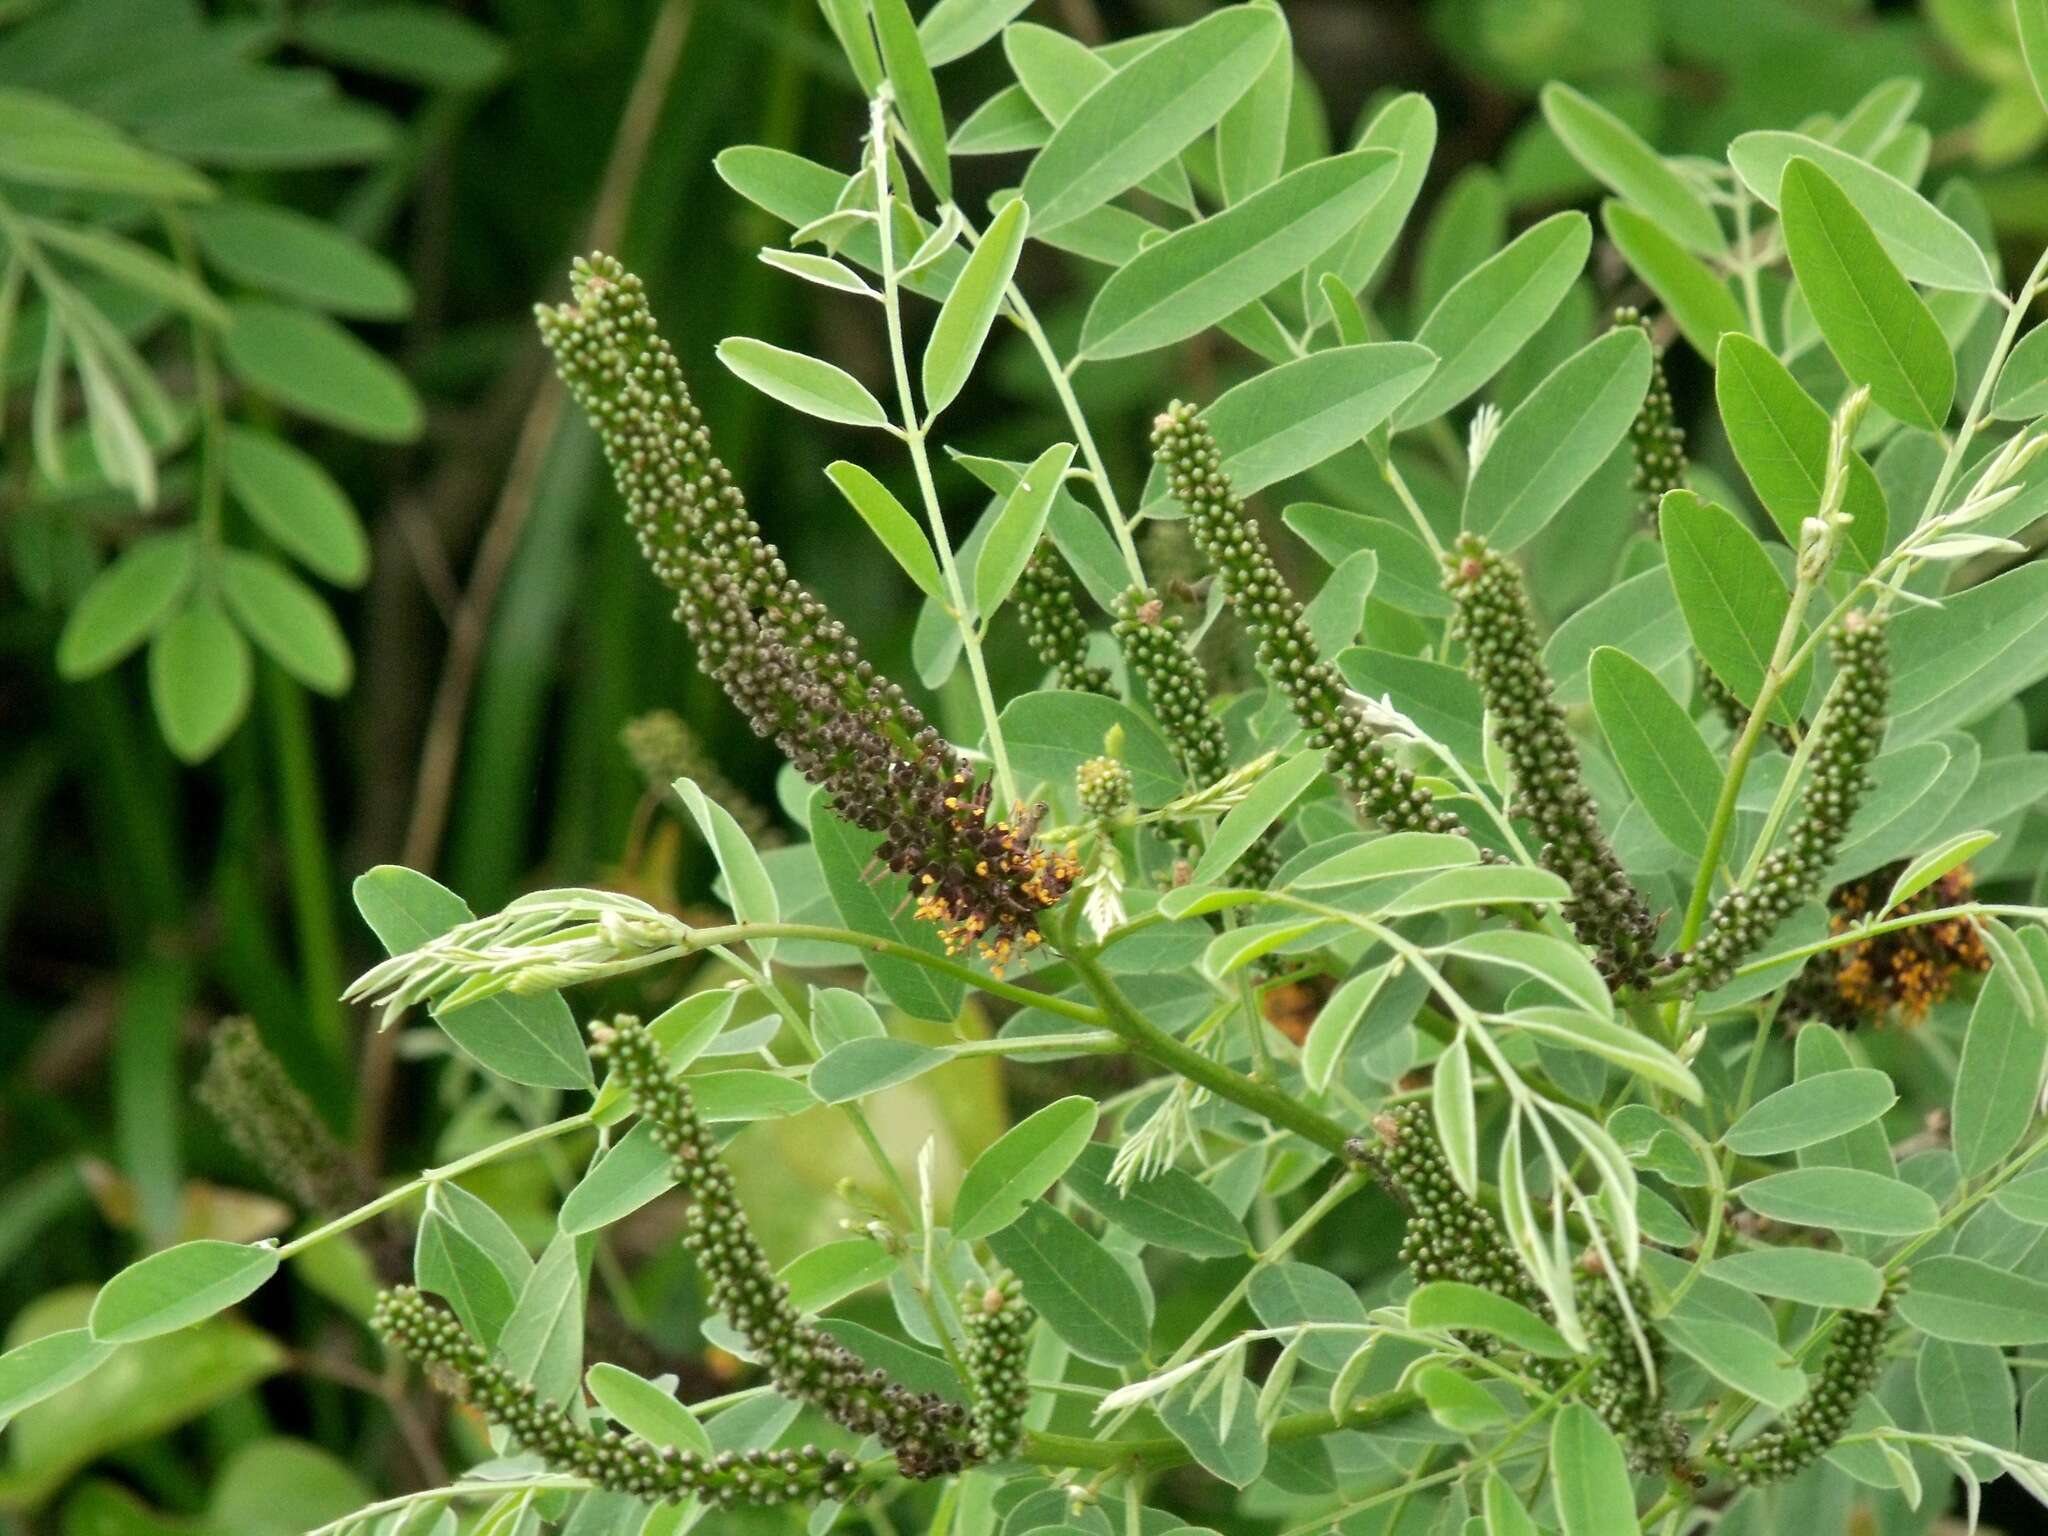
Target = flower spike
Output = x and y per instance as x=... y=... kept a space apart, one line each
x=1232 y=544
x=1505 y=656
x=1849 y=735
x=929 y=1436
x=658 y=1474
x=790 y=667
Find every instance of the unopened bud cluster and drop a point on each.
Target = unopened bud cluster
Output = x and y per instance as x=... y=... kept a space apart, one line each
x=1050 y=604
x=1235 y=549
x=1849 y=735
x=1624 y=1391
x=1450 y=1235
x=997 y=1322
x=1156 y=650
x=1505 y=655
x=785 y=662
x=1854 y=1360
x=659 y=1474
x=1735 y=715
x=1656 y=440
x=1104 y=787
x=929 y=1436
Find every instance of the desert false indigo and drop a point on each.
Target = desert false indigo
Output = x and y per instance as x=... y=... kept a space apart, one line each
x=1159 y=657
x=790 y=667
x=1155 y=648
x=663 y=748
x=1897 y=975
x=1619 y=1387
x=1504 y=654
x=997 y=1322
x=1854 y=1358
x=1049 y=602
x=433 y=1339
x=1848 y=736
x=929 y=1436
x=1657 y=446
x=1656 y=441
x=1104 y=787
x=1734 y=713
x=1235 y=549
x=1450 y=1235
x=274 y=1125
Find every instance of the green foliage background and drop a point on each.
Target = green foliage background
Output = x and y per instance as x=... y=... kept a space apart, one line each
x=506 y=631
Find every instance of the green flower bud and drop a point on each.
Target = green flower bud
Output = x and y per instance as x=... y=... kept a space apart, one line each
x=929 y=1436
x=997 y=1322
x=1155 y=649
x=1854 y=1359
x=1620 y=1387
x=1286 y=650
x=658 y=1474
x=1104 y=785
x=1849 y=735
x=1734 y=714
x=663 y=748
x=1450 y=1235
x=1505 y=655
x=1049 y=602
x=275 y=1126
x=1161 y=662
x=1655 y=438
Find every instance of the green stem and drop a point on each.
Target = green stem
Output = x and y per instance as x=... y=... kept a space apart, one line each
x=914 y=433
x=1775 y=677
x=490 y=1488
x=1893 y=571
x=1391 y=473
x=1974 y=417
x=427 y=1177
x=1339 y=1191
x=1148 y=1039
x=1746 y=266
x=147 y=1102
x=1672 y=984
x=912 y=1210
x=1077 y=423
x=1413 y=1485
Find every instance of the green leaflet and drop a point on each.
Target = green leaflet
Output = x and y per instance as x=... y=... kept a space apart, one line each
x=1552 y=442
x=1879 y=329
x=1780 y=437
x=1207 y=271
x=1613 y=151
x=1733 y=598
x=1083 y=1294
x=1148 y=111
x=1485 y=319
x=1674 y=776
x=1929 y=246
